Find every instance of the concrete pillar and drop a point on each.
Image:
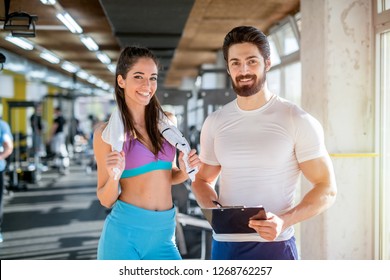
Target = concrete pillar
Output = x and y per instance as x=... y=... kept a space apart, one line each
x=338 y=89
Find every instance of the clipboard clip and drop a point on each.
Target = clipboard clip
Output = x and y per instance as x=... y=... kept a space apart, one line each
x=216 y=203
x=219 y=205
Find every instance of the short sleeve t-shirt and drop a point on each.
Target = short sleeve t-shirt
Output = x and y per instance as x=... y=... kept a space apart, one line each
x=5 y=134
x=259 y=152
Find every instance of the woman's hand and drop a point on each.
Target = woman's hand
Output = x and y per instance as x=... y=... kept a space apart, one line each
x=115 y=161
x=193 y=160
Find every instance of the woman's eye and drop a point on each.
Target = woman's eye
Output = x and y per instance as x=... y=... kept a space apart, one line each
x=153 y=78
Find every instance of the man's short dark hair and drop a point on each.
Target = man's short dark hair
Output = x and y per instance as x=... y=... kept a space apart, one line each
x=246 y=34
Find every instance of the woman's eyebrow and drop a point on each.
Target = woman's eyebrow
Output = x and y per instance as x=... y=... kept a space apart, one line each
x=142 y=73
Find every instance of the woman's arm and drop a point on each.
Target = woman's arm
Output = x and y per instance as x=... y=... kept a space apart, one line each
x=107 y=186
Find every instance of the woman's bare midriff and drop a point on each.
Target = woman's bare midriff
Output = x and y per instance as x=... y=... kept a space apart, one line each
x=150 y=191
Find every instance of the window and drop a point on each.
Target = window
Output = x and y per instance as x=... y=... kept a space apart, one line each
x=284 y=77
x=384 y=89
x=382 y=30
x=383 y=5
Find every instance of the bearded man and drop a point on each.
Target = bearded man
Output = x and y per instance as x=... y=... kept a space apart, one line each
x=258 y=145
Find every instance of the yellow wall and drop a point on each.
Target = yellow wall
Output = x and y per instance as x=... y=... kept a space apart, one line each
x=19 y=119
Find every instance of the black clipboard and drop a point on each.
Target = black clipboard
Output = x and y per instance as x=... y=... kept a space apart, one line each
x=233 y=219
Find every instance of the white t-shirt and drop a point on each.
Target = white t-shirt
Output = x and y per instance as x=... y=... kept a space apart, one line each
x=259 y=152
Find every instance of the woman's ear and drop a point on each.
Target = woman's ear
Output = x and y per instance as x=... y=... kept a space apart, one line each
x=121 y=81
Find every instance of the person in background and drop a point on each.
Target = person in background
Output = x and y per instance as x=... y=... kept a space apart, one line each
x=6 y=148
x=37 y=129
x=259 y=144
x=57 y=140
x=141 y=223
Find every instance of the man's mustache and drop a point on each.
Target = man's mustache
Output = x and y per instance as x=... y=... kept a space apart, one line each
x=247 y=76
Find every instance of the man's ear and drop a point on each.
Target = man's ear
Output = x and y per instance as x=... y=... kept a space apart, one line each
x=121 y=81
x=267 y=65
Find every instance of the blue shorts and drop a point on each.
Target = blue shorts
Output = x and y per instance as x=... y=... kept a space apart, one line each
x=133 y=233
x=278 y=250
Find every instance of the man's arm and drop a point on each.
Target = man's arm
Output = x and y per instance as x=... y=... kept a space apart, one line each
x=203 y=186
x=319 y=172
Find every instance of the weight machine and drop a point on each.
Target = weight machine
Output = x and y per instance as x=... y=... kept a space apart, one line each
x=22 y=167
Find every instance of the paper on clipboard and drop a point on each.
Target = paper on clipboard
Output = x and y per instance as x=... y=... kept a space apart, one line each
x=233 y=219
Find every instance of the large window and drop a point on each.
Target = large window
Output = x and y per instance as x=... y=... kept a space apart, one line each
x=382 y=25
x=385 y=145
x=284 y=78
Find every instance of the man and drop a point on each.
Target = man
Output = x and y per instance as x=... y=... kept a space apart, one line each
x=259 y=144
x=37 y=129
x=58 y=141
x=6 y=148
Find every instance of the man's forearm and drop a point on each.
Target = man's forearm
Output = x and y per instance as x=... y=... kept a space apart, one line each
x=316 y=201
x=204 y=193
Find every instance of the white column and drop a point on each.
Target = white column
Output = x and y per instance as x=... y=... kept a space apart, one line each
x=337 y=88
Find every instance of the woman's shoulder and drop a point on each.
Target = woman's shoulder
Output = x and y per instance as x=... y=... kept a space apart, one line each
x=100 y=127
x=98 y=130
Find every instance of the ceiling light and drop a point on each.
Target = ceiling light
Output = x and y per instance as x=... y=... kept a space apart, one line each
x=20 y=42
x=69 y=67
x=82 y=74
x=99 y=83
x=69 y=22
x=92 y=79
x=112 y=68
x=50 y=57
x=52 y=80
x=105 y=86
x=89 y=43
x=48 y=2
x=36 y=74
x=103 y=57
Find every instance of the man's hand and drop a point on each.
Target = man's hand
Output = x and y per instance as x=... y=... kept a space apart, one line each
x=268 y=229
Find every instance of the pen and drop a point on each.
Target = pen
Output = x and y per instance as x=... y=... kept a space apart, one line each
x=219 y=205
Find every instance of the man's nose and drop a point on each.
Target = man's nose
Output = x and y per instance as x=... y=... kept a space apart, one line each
x=244 y=68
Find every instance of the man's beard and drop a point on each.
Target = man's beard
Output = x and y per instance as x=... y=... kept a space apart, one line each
x=248 y=90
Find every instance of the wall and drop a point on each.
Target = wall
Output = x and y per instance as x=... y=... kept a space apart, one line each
x=337 y=88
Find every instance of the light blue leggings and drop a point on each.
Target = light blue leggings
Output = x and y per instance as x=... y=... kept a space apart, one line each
x=133 y=233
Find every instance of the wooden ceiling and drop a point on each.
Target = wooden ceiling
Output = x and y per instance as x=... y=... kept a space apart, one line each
x=184 y=33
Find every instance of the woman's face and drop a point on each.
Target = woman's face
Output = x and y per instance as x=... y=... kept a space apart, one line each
x=140 y=83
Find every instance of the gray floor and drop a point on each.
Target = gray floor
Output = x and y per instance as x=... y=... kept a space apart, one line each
x=60 y=218
x=57 y=219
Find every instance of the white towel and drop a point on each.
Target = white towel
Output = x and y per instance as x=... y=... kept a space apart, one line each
x=173 y=135
x=114 y=134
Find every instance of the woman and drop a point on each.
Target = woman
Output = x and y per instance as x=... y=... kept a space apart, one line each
x=141 y=224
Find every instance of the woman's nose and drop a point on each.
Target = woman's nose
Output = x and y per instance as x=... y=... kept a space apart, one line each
x=146 y=83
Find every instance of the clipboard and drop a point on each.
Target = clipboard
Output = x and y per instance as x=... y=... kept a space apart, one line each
x=233 y=219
